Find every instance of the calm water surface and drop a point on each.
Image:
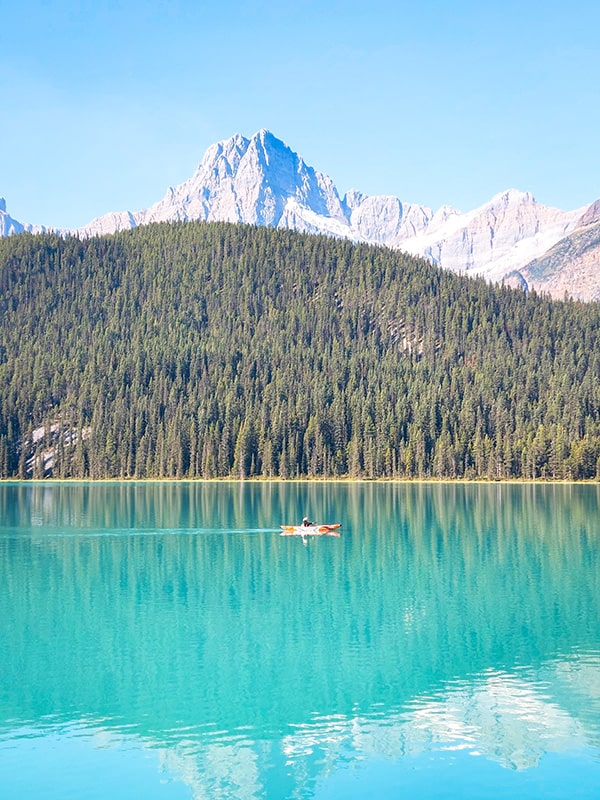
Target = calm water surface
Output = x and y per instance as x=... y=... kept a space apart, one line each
x=163 y=641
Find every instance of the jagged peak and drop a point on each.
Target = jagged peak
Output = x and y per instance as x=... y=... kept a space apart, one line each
x=511 y=197
x=444 y=213
x=2 y=204
x=237 y=140
x=591 y=215
x=235 y=148
x=264 y=135
x=227 y=148
x=265 y=141
x=353 y=198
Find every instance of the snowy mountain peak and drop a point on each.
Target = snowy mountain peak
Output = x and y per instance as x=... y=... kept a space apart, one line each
x=512 y=197
x=228 y=153
x=262 y=181
x=269 y=140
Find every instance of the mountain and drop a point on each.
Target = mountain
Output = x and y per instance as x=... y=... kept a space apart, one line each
x=496 y=239
x=573 y=261
x=225 y=350
x=10 y=226
x=262 y=181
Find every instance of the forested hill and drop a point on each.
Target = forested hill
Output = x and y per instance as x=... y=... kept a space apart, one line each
x=205 y=350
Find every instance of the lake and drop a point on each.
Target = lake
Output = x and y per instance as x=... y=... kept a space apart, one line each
x=162 y=640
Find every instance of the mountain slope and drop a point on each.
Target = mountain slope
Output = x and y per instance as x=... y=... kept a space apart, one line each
x=262 y=181
x=259 y=181
x=572 y=266
x=10 y=226
x=496 y=238
x=216 y=350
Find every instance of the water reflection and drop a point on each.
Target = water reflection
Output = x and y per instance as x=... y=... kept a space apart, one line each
x=446 y=618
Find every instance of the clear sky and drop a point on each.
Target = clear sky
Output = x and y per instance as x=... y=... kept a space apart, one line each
x=106 y=103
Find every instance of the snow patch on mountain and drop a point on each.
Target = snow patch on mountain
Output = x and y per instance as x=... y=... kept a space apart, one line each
x=494 y=240
x=301 y=218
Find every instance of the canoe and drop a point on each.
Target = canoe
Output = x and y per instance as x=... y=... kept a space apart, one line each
x=311 y=530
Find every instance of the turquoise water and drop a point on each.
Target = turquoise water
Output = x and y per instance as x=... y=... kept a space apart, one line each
x=163 y=641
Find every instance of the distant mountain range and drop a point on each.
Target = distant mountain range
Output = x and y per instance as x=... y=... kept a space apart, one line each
x=262 y=181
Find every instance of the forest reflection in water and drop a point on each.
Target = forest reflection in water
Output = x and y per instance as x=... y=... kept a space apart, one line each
x=446 y=618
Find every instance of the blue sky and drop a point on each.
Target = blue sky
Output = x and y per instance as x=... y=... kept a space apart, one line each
x=105 y=104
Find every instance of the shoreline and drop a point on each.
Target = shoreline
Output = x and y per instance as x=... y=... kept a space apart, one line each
x=260 y=480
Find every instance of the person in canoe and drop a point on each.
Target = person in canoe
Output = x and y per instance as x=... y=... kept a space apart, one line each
x=306 y=523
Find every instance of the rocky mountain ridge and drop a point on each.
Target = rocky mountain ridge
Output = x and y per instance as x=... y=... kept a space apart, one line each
x=573 y=262
x=10 y=226
x=262 y=181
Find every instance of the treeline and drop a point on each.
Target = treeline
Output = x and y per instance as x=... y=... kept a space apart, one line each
x=217 y=350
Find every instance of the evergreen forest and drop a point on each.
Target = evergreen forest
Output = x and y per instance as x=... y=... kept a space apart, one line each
x=206 y=350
